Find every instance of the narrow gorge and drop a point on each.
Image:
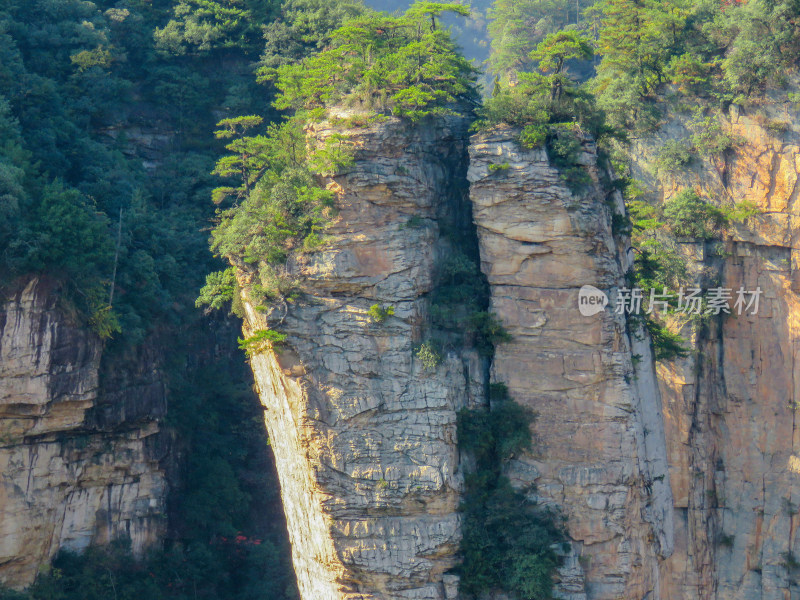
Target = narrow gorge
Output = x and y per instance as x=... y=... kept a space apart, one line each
x=364 y=433
x=500 y=303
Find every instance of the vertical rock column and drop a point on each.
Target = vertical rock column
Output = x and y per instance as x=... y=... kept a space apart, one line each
x=599 y=451
x=364 y=434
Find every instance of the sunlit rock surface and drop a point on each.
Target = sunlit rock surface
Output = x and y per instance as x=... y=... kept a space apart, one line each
x=599 y=451
x=75 y=468
x=364 y=434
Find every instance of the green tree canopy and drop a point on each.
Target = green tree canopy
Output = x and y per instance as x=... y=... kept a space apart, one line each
x=304 y=27
x=547 y=95
x=199 y=26
x=405 y=64
x=516 y=27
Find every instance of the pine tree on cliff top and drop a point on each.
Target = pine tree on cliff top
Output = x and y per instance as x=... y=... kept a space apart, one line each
x=408 y=65
x=518 y=26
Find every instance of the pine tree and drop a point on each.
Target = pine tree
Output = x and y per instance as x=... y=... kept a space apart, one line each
x=517 y=26
x=405 y=64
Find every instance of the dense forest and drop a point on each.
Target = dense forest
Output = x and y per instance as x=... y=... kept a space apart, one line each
x=134 y=130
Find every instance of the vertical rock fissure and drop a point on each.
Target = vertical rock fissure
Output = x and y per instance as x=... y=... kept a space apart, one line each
x=599 y=450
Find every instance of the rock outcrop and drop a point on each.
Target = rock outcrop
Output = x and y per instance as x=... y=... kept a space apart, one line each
x=364 y=433
x=677 y=481
x=730 y=407
x=599 y=451
x=79 y=463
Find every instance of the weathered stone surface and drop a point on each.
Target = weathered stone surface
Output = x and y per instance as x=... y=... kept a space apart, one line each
x=64 y=483
x=730 y=408
x=599 y=451
x=364 y=435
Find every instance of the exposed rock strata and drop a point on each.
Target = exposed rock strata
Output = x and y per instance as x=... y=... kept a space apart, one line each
x=730 y=409
x=599 y=451
x=74 y=472
x=694 y=499
x=364 y=434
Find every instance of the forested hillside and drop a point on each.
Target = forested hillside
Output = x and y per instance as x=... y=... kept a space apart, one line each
x=136 y=133
x=108 y=111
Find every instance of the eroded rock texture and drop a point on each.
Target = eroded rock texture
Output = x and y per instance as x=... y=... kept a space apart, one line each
x=730 y=409
x=364 y=434
x=77 y=466
x=678 y=482
x=599 y=451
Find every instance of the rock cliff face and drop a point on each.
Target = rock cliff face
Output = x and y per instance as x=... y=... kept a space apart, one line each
x=79 y=462
x=730 y=408
x=678 y=481
x=599 y=450
x=364 y=434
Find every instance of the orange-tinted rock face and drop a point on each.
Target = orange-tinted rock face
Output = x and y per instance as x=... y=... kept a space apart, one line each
x=678 y=481
x=70 y=476
x=730 y=409
x=599 y=451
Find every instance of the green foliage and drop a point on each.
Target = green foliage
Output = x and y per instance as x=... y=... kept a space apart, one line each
x=673 y=156
x=507 y=540
x=690 y=74
x=564 y=147
x=101 y=316
x=104 y=178
x=547 y=95
x=429 y=355
x=249 y=159
x=227 y=499
x=488 y=331
x=414 y=222
x=760 y=41
x=220 y=289
x=459 y=299
x=281 y=205
x=709 y=137
x=741 y=211
x=632 y=46
x=303 y=28
x=86 y=59
x=334 y=155
x=546 y=103
x=498 y=168
x=261 y=341
x=378 y=313
x=688 y=215
x=658 y=263
x=721 y=52
x=557 y=48
x=518 y=26
x=666 y=344
x=75 y=80
x=199 y=26
x=407 y=65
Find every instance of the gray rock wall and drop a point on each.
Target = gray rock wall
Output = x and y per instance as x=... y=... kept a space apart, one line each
x=65 y=481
